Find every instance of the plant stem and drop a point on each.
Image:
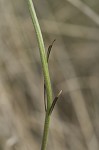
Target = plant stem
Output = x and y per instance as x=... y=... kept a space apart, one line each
x=45 y=71
x=45 y=132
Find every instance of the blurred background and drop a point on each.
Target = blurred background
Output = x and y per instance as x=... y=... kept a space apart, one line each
x=73 y=65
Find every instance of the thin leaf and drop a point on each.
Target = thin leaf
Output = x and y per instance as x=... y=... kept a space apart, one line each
x=49 y=50
x=54 y=102
x=48 y=54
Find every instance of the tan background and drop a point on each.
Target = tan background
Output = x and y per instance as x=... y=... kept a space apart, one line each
x=74 y=68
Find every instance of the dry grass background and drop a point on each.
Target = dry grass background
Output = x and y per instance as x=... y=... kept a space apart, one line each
x=73 y=67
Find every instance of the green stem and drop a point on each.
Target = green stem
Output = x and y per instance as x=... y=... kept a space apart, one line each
x=45 y=71
x=45 y=132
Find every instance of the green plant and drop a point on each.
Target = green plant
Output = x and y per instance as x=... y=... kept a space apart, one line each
x=49 y=105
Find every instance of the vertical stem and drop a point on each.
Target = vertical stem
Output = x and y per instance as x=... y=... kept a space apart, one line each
x=45 y=132
x=45 y=71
